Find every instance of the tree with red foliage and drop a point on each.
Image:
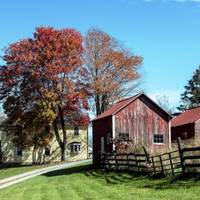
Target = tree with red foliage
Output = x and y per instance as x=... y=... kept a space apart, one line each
x=43 y=84
x=112 y=69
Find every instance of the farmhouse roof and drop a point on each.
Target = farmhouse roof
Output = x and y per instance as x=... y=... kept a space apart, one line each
x=187 y=117
x=121 y=104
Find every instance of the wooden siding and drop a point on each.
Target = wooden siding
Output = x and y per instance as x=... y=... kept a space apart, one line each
x=142 y=119
x=100 y=129
x=197 y=129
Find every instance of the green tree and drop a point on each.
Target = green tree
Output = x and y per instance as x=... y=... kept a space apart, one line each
x=190 y=98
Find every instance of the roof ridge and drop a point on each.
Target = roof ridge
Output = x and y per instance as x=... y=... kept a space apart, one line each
x=116 y=107
x=125 y=99
x=129 y=101
x=188 y=116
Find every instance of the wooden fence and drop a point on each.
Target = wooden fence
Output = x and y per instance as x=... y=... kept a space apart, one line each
x=132 y=162
x=175 y=162
x=167 y=163
x=190 y=157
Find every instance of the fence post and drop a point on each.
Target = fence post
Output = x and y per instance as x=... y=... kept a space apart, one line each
x=105 y=160
x=170 y=159
x=180 y=149
x=128 y=161
x=146 y=154
x=137 y=162
x=148 y=160
x=154 y=169
x=102 y=160
x=161 y=164
x=116 y=162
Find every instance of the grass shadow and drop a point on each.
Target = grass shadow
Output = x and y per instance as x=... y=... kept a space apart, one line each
x=136 y=180
x=71 y=170
x=13 y=165
x=143 y=180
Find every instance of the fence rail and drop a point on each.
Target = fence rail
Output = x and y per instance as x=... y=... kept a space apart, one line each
x=175 y=162
x=134 y=162
x=167 y=163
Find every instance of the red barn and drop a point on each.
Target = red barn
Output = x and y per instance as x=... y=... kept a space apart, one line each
x=137 y=117
x=186 y=125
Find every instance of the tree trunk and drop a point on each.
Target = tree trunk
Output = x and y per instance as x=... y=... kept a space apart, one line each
x=97 y=105
x=101 y=103
x=63 y=153
x=63 y=149
x=104 y=103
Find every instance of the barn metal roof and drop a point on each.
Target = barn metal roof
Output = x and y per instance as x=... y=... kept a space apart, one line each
x=187 y=117
x=121 y=104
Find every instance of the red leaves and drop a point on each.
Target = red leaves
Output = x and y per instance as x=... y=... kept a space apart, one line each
x=42 y=74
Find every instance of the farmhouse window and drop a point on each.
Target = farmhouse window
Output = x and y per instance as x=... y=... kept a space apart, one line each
x=47 y=151
x=158 y=138
x=124 y=136
x=19 y=151
x=75 y=148
x=76 y=130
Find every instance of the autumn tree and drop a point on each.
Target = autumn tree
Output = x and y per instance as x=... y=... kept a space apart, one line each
x=43 y=85
x=190 y=98
x=112 y=69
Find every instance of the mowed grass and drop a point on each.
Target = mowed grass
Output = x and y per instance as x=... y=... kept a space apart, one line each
x=12 y=171
x=8 y=171
x=84 y=183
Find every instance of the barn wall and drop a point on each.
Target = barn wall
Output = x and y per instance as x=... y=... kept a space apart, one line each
x=197 y=129
x=185 y=131
x=101 y=128
x=142 y=119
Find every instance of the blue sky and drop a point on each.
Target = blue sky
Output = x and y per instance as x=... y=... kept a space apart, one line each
x=165 y=32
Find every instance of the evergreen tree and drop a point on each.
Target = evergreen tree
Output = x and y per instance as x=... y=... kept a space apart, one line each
x=191 y=97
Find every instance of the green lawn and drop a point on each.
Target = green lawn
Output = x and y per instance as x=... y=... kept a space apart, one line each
x=6 y=172
x=82 y=182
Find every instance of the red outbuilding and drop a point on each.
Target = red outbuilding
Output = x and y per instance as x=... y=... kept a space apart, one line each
x=138 y=118
x=186 y=125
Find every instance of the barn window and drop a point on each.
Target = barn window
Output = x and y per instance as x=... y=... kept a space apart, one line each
x=19 y=151
x=158 y=138
x=47 y=151
x=76 y=130
x=75 y=147
x=124 y=136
